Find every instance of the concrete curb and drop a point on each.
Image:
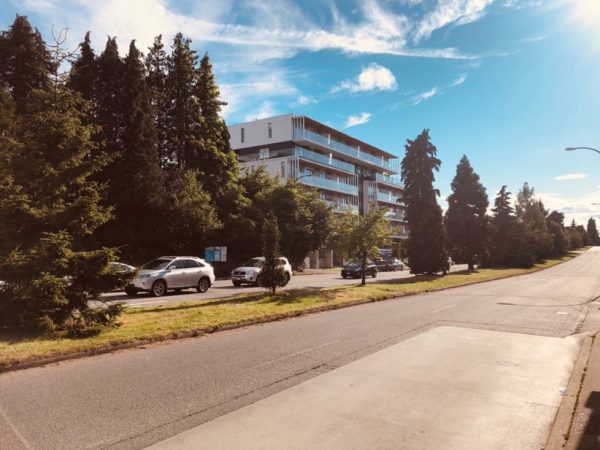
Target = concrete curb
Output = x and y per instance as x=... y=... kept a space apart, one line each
x=202 y=331
x=561 y=428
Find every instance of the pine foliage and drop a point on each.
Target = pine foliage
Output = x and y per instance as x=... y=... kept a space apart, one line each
x=466 y=218
x=426 y=241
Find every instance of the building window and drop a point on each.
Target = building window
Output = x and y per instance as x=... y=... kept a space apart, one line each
x=242 y=135
x=270 y=130
x=263 y=153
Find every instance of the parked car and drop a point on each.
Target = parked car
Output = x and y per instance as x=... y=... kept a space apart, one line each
x=249 y=272
x=354 y=270
x=172 y=273
x=397 y=264
x=121 y=267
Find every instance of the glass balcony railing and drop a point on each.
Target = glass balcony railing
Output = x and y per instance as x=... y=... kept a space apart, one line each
x=388 y=198
x=395 y=215
x=325 y=183
x=324 y=160
x=390 y=179
x=389 y=164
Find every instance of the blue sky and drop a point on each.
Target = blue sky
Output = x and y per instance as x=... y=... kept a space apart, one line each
x=509 y=83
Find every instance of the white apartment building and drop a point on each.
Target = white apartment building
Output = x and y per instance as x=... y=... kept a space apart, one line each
x=348 y=173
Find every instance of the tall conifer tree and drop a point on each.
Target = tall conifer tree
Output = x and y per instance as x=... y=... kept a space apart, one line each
x=25 y=62
x=466 y=217
x=156 y=79
x=592 y=232
x=425 y=246
x=83 y=74
x=48 y=205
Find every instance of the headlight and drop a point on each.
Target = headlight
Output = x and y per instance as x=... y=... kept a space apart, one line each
x=143 y=277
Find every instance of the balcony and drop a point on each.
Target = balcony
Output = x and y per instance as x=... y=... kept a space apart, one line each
x=395 y=215
x=387 y=198
x=324 y=160
x=390 y=165
x=325 y=183
x=393 y=180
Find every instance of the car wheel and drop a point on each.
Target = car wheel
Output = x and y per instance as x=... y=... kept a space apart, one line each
x=374 y=273
x=344 y=276
x=203 y=285
x=159 y=288
x=287 y=279
x=131 y=291
x=259 y=280
x=237 y=283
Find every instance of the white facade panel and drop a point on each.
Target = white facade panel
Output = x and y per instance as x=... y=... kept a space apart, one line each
x=257 y=133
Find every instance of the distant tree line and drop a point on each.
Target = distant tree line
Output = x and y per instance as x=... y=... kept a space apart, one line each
x=510 y=236
x=121 y=158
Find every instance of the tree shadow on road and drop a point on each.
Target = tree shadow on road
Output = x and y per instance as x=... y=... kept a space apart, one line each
x=590 y=438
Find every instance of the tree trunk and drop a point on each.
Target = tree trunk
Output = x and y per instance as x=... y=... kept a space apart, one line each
x=364 y=264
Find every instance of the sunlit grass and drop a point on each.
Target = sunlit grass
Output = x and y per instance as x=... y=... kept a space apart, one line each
x=139 y=325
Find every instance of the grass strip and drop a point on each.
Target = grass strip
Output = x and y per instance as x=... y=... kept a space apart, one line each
x=144 y=325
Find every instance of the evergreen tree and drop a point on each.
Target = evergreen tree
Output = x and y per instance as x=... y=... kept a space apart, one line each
x=156 y=80
x=592 y=232
x=466 y=219
x=110 y=102
x=272 y=274
x=137 y=185
x=184 y=117
x=560 y=241
x=25 y=62
x=531 y=213
x=48 y=204
x=216 y=161
x=425 y=246
x=83 y=74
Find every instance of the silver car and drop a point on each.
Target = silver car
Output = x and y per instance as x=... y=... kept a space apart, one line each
x=172 y=273
x=249 y=272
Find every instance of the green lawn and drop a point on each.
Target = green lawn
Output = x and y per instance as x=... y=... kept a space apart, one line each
x=194 y=318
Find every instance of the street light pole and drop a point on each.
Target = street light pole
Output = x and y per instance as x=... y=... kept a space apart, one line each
x=570 y=149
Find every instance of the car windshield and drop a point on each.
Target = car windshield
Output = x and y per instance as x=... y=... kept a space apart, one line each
x=354 y=264
x=254 y=262
x=156 y=264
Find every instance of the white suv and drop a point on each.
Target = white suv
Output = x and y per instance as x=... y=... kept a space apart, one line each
x=172 y=273
x=249 y=272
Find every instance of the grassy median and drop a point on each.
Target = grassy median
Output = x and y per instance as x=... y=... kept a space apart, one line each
x=138 y=326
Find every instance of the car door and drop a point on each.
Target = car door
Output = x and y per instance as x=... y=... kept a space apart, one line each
x=176 y=276
x=193 y=271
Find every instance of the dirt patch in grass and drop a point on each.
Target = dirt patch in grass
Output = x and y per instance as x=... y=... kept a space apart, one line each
x=142 y=325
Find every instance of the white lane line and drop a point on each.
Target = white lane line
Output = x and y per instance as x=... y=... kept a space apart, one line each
x=562 y=313
x=294 y=354
x=14 y=429
x=442 y=309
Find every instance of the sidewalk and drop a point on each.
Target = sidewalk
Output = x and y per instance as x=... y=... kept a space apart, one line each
x=577 y=423
x=448 y=388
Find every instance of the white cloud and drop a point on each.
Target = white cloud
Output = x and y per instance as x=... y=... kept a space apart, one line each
x=266 y=109
x=357 y=119
x=242 y=96
x=571 y=176
x=579 y=209
x=459 y=80
x=426 y=95
x=372 y=78
x=303 y=100
x=448 y=12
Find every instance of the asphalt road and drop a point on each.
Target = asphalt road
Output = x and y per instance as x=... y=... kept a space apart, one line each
x=224 y=288
x=132 y=399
